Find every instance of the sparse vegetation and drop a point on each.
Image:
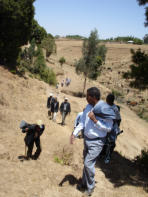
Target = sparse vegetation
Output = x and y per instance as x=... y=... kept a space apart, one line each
x=33 y=61
x=138 y=70
x=48 y=43
x=16 y=22
x=62 y=61
x=125 y=39
x=76 y=37
x=93 y=58
x=142 y=160
x=64 y=158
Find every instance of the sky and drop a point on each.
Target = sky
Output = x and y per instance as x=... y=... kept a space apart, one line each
x=111 y=18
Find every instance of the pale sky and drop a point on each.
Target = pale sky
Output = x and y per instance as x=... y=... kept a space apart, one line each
x=111 y=18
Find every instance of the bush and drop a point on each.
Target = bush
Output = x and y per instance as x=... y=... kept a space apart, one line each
x=62 y=60
x=16 y=22
x=142 y=160
x=38 y=68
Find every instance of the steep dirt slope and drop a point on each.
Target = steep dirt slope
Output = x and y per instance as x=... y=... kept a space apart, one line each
x=25 y=99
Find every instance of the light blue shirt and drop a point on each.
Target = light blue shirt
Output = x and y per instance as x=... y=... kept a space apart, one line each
x=92 y=130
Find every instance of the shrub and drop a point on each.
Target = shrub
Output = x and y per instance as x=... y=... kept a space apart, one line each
x=142 y=160
x=62 y=60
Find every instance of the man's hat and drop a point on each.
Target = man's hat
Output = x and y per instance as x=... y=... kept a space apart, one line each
x=39 y=123
x=66 y=99
x=51 y=94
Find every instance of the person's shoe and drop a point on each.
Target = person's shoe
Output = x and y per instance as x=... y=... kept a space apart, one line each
x=107 y=160
x=89 y=192
x=81 y=187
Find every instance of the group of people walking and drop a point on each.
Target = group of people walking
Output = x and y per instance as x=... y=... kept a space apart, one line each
x=53 y=108
x=99 y=122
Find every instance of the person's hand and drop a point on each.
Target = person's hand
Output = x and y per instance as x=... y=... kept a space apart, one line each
x=92 y=117
x=72 y=138
x=26 y=129
x=36 y=135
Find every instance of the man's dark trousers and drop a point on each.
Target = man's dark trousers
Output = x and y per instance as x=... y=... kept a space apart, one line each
x=30 y=148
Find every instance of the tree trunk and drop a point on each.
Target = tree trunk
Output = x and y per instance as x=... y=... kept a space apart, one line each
x=84 y=86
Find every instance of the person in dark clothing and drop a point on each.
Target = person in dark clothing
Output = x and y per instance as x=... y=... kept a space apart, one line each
x=33 y=133
x=49 y=101
x=65 y=109
x=54 y=108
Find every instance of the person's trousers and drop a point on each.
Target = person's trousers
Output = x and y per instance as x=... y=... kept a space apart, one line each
x=30 y=148
x=54 y=116
x=64 y=114
x=92 y=149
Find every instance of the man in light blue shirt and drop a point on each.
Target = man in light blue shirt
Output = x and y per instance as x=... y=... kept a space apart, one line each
x=94 y=137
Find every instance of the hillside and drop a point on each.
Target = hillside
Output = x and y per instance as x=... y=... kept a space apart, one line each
x=25 y=99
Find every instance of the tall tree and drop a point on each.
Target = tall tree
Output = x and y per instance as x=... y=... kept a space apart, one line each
x=145 y=39
x=15 y=25
x=144 y=2
x=48 y=43
x=138 y=70
x=93 y=56
x=37 y=32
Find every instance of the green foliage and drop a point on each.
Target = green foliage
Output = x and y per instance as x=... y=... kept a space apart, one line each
x=143 y=113
x=31 y=50
x=142 y=160
x=138 y=70
x=93 y=57
x=57 y=160
x=16 y=22
x=38 y=33
x=76 y=37
x=144 y=2
x=64 y=157
x=102 y=50
x=37 y=67
x=145 y=39
x=41 y=70
x=57 y=36
x=129 y=38
x=62 y=60
x=48 y=43
x=125 y=39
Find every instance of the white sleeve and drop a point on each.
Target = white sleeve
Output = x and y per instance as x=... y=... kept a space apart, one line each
x=105 y=125
x=78 y=128
x=76 y=120
x=81 y=124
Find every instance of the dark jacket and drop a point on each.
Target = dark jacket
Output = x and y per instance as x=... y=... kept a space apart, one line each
x=55 y=106
x=49 y=101
x=30 y=134
x=67 y=106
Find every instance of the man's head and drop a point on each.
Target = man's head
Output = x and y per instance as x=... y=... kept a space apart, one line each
x=39 y=124
x=55 y=98
x=66 y=99
x=93 y=95
x=110 y=99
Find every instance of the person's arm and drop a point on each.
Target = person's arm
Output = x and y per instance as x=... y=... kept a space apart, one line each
x=78 y=128
x=57 y=106
x=107 y=126
x=61 y=107
x=28 y=128
x=76 y=121
x=42 y=129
